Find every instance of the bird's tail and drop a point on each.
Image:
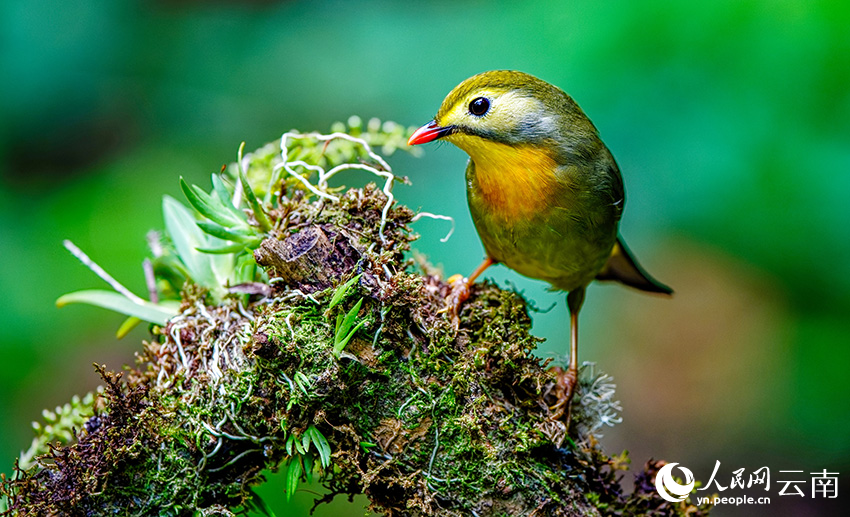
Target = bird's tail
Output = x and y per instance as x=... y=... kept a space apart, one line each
x=623 y=267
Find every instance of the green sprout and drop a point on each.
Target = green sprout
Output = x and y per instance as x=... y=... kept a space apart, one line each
x=341 y=292
x=301 y=462
x=346 y=324
x=346 y=327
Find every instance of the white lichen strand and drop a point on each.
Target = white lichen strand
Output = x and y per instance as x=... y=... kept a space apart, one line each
x=436 y=216
x=296 y=168
x=320 y=189
x=219 y=335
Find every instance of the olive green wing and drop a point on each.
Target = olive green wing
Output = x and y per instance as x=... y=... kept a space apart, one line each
x=623 y=267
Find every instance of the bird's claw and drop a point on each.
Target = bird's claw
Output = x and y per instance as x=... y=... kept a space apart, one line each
x=564 y=389
x=459 y=293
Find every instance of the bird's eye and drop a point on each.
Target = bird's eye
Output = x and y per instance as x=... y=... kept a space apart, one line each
x=479 y=106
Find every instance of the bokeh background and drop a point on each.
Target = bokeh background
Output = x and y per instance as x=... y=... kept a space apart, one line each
x=730 y=120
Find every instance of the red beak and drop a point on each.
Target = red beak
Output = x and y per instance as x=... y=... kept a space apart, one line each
x=428 y=133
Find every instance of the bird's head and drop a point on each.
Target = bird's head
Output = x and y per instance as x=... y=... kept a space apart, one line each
x=501 y=106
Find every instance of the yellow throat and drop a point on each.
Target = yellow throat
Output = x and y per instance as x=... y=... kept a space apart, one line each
x=514 y=181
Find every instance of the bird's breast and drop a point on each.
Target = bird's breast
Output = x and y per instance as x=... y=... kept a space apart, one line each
x=542 y=220
x=512 y=183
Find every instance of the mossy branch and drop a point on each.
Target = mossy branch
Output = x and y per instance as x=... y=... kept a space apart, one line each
x=335 y=359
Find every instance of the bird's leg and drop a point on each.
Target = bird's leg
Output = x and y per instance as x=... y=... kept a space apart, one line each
x=567 y=380
x=460 y=290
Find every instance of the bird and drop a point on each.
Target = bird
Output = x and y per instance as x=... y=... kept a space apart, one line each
x=544 y=192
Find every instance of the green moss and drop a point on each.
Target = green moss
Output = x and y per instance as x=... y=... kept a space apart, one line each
x=421 y=417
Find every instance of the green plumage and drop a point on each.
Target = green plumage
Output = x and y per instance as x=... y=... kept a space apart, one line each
x=570 y=234
x=566 y=243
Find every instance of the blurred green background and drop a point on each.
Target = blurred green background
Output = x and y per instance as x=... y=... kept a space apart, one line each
x=730 y=121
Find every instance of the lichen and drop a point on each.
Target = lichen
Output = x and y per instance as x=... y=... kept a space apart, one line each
x=343 y=365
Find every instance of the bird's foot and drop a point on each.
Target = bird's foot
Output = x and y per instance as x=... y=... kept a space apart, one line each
x=459 y=293
x=564 y=389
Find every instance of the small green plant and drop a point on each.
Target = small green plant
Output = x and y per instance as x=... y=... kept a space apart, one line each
x=59 y=426
x=346 y=324
x=346 y=327
x=302 y=460
x=342 y=291
x=210 y=245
